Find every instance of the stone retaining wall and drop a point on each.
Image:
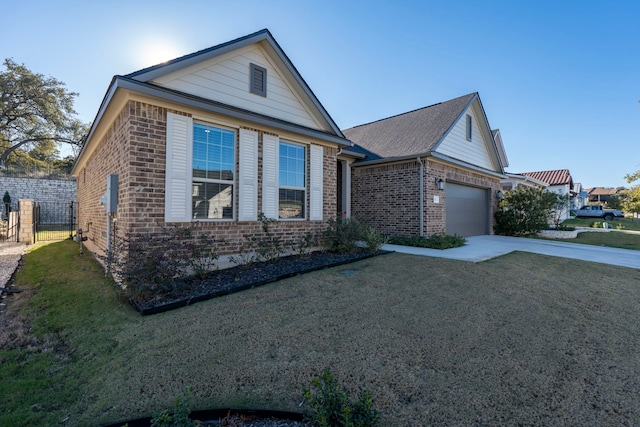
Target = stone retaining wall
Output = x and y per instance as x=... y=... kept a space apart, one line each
x=38 y=189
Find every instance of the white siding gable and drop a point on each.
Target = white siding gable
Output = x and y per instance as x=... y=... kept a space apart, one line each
x=456 y=145
x=226 y=79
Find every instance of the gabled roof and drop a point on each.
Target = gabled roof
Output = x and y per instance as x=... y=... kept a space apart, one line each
x=263 y=37
x=497 y=137
x=425 y=132
x=553 y=177
x=412 y=133
x=142 y=82
x=601 y=191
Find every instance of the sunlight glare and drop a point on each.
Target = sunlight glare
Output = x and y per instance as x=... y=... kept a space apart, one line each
x=156 y=51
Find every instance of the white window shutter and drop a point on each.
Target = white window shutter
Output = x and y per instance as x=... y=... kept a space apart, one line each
x=177 y=190
x=315 y=182
x=248 y=176
x=270 y=174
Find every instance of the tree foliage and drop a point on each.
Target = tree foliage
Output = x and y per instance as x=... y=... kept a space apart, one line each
x=632 y=176
x=631 y=200
x=525 y=211
x=36 y=113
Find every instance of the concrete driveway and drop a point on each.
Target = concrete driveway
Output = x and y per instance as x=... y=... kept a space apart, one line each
x=482 y=248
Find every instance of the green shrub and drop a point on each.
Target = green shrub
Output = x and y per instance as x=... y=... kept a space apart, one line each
x=525 y=211
x=343 y=235
x=266 y=247
x=329 y=405
x=177 y=417
x=306 y=243
x=436 y=241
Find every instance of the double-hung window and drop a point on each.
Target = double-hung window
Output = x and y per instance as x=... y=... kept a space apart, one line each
x=292 y=182
x=213 y=172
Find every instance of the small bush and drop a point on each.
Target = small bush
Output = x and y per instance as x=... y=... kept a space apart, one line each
x=343 y=235
x=330 y=406
x=266 y=247
x=306 y=243
x=596 y=224
x=153 y=264
x=178 y=417
x=436 y=241
x=147 y=264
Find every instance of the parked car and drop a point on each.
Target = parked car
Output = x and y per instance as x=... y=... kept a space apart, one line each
x=597 y=211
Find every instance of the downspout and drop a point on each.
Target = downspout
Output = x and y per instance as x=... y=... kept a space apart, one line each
x=421 y=192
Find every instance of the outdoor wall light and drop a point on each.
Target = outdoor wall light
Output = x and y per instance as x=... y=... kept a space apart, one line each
x=440 y=183
x=499 y=195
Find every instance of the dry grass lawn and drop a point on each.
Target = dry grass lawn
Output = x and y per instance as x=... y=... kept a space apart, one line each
x=520 y=340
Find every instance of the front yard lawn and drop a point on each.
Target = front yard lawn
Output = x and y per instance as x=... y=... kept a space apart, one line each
x=511 y=341
x=613 y=239
x=626 y=223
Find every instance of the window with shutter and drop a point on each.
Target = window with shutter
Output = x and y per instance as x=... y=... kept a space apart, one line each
x=213 y=172
x=291 y=177
x=258 y=80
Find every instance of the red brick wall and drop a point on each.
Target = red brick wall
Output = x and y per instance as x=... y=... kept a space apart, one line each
x=386 y=196
x=134 y=148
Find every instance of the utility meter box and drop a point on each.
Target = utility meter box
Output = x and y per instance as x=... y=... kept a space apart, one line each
x=110 y=199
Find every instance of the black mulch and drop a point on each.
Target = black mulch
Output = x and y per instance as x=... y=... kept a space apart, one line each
x=236 y=279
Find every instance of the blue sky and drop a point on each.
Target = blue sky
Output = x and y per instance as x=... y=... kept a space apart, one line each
x=560 y=79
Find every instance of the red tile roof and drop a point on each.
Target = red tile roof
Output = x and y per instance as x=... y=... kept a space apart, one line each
x=556 y=177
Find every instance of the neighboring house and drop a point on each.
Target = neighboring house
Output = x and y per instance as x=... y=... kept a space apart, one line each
x=581 y=196
x=601 y=194
x=428 y=171
x=560 y=182
x=514 y=180
x=211 y=140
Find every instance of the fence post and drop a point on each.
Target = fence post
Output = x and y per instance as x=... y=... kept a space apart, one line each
x=26 y=221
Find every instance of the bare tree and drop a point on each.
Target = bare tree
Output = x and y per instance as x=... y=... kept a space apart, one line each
x=35 y=111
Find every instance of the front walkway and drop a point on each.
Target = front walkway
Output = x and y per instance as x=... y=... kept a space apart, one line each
x=482 y=248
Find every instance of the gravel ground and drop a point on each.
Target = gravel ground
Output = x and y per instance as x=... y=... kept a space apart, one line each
x=10 y=254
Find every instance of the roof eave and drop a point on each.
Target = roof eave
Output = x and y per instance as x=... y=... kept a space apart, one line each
x=264 y=35
x=120 y=82
x=466 y=165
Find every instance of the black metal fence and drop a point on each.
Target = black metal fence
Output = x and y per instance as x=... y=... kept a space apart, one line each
x=9 y=222
x=53 y=221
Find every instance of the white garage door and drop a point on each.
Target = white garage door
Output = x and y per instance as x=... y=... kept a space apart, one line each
x=467 y=210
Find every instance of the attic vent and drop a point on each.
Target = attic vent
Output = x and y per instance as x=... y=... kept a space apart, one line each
x=258 y=80
x=469 y=127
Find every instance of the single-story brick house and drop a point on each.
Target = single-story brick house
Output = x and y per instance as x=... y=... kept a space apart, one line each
x=210 y=141
x=429 y=171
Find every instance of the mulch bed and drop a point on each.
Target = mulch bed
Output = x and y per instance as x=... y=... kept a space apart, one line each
x=236 y=279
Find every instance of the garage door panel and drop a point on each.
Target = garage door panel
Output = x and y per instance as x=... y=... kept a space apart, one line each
x=467 y=210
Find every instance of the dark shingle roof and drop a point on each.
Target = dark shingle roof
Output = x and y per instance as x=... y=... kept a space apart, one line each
x=415 y=132
x=554 y=177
